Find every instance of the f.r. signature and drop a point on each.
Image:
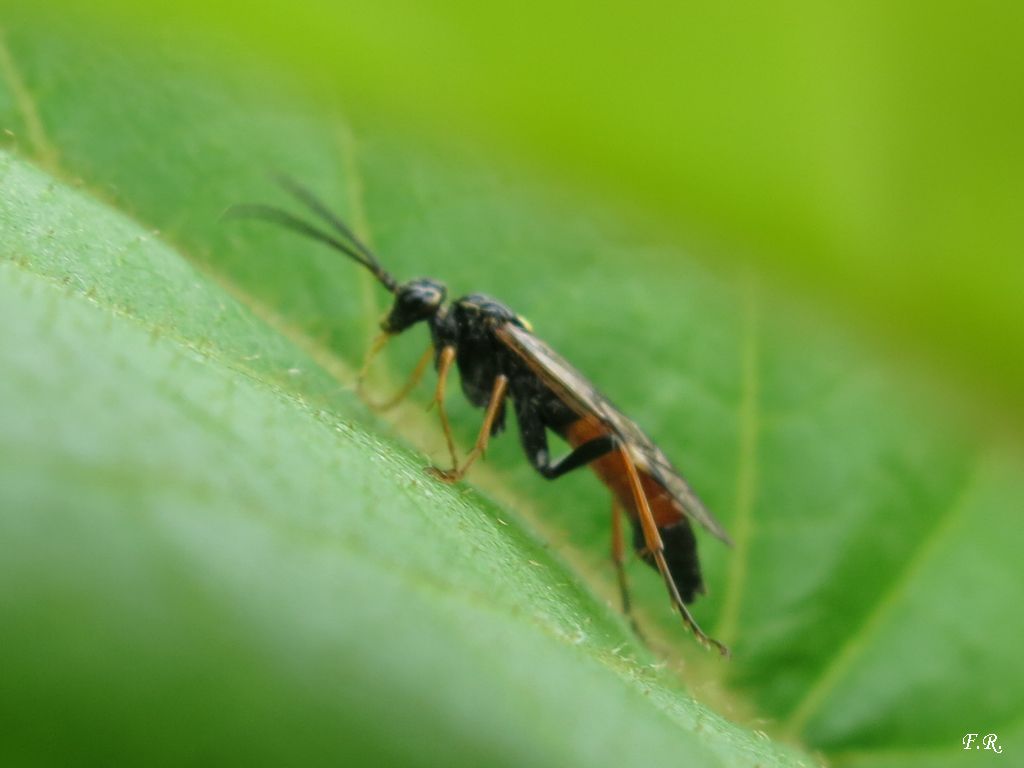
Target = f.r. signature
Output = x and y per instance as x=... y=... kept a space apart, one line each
x=988 y=741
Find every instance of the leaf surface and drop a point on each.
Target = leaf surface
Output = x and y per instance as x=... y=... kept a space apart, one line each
x=195 y=487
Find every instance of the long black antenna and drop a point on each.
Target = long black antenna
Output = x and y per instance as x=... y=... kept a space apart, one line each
x=348 y=243
x=306 y=196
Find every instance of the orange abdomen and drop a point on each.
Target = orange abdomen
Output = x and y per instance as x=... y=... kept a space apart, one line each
x=611 y=468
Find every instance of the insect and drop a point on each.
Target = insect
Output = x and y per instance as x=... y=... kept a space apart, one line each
x=500 y=359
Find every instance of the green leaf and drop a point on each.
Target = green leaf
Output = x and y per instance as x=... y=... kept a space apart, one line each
x=203 y=557
x=211 y=549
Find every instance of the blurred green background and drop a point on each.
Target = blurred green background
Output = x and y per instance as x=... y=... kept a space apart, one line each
x=785 y=240
x=868 y=154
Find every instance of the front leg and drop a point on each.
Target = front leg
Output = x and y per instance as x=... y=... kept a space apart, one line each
x=493 y=409
x=402 y=393
x=444 y=365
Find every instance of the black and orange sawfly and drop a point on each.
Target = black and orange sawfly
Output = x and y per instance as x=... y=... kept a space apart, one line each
x=499 y=358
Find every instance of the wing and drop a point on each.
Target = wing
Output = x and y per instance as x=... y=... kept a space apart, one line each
x=573 y=388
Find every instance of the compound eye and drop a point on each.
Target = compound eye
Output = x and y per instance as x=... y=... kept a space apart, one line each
x=429 y=296
x=413 y=298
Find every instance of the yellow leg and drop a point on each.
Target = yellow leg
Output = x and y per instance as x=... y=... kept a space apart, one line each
x=619 y=559
x=480 y=448
x=414 y=379
x=444 y=365
x=375 y=347
x=652 y=539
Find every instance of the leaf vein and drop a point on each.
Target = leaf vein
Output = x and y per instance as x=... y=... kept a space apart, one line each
x=748 y=418
x=857 y=642
x=355 y=194
x=44 y=150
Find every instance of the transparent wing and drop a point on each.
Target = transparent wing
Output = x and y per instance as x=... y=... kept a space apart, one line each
x=576 y=391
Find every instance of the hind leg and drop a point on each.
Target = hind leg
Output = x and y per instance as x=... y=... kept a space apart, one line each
x=619 y=560
x=656 y=550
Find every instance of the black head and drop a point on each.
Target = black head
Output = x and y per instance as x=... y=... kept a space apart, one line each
x=415 y=301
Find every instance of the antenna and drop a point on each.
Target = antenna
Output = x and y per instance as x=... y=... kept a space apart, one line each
x=346 y=242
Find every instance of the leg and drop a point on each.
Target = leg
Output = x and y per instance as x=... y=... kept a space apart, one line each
x=533 y=435
x=580 y=456
x=375 y=347
x=493 y=407
x=444 y=365
x=657 y=551
x=619 y=559
x=408 y=387
x=618 y=554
